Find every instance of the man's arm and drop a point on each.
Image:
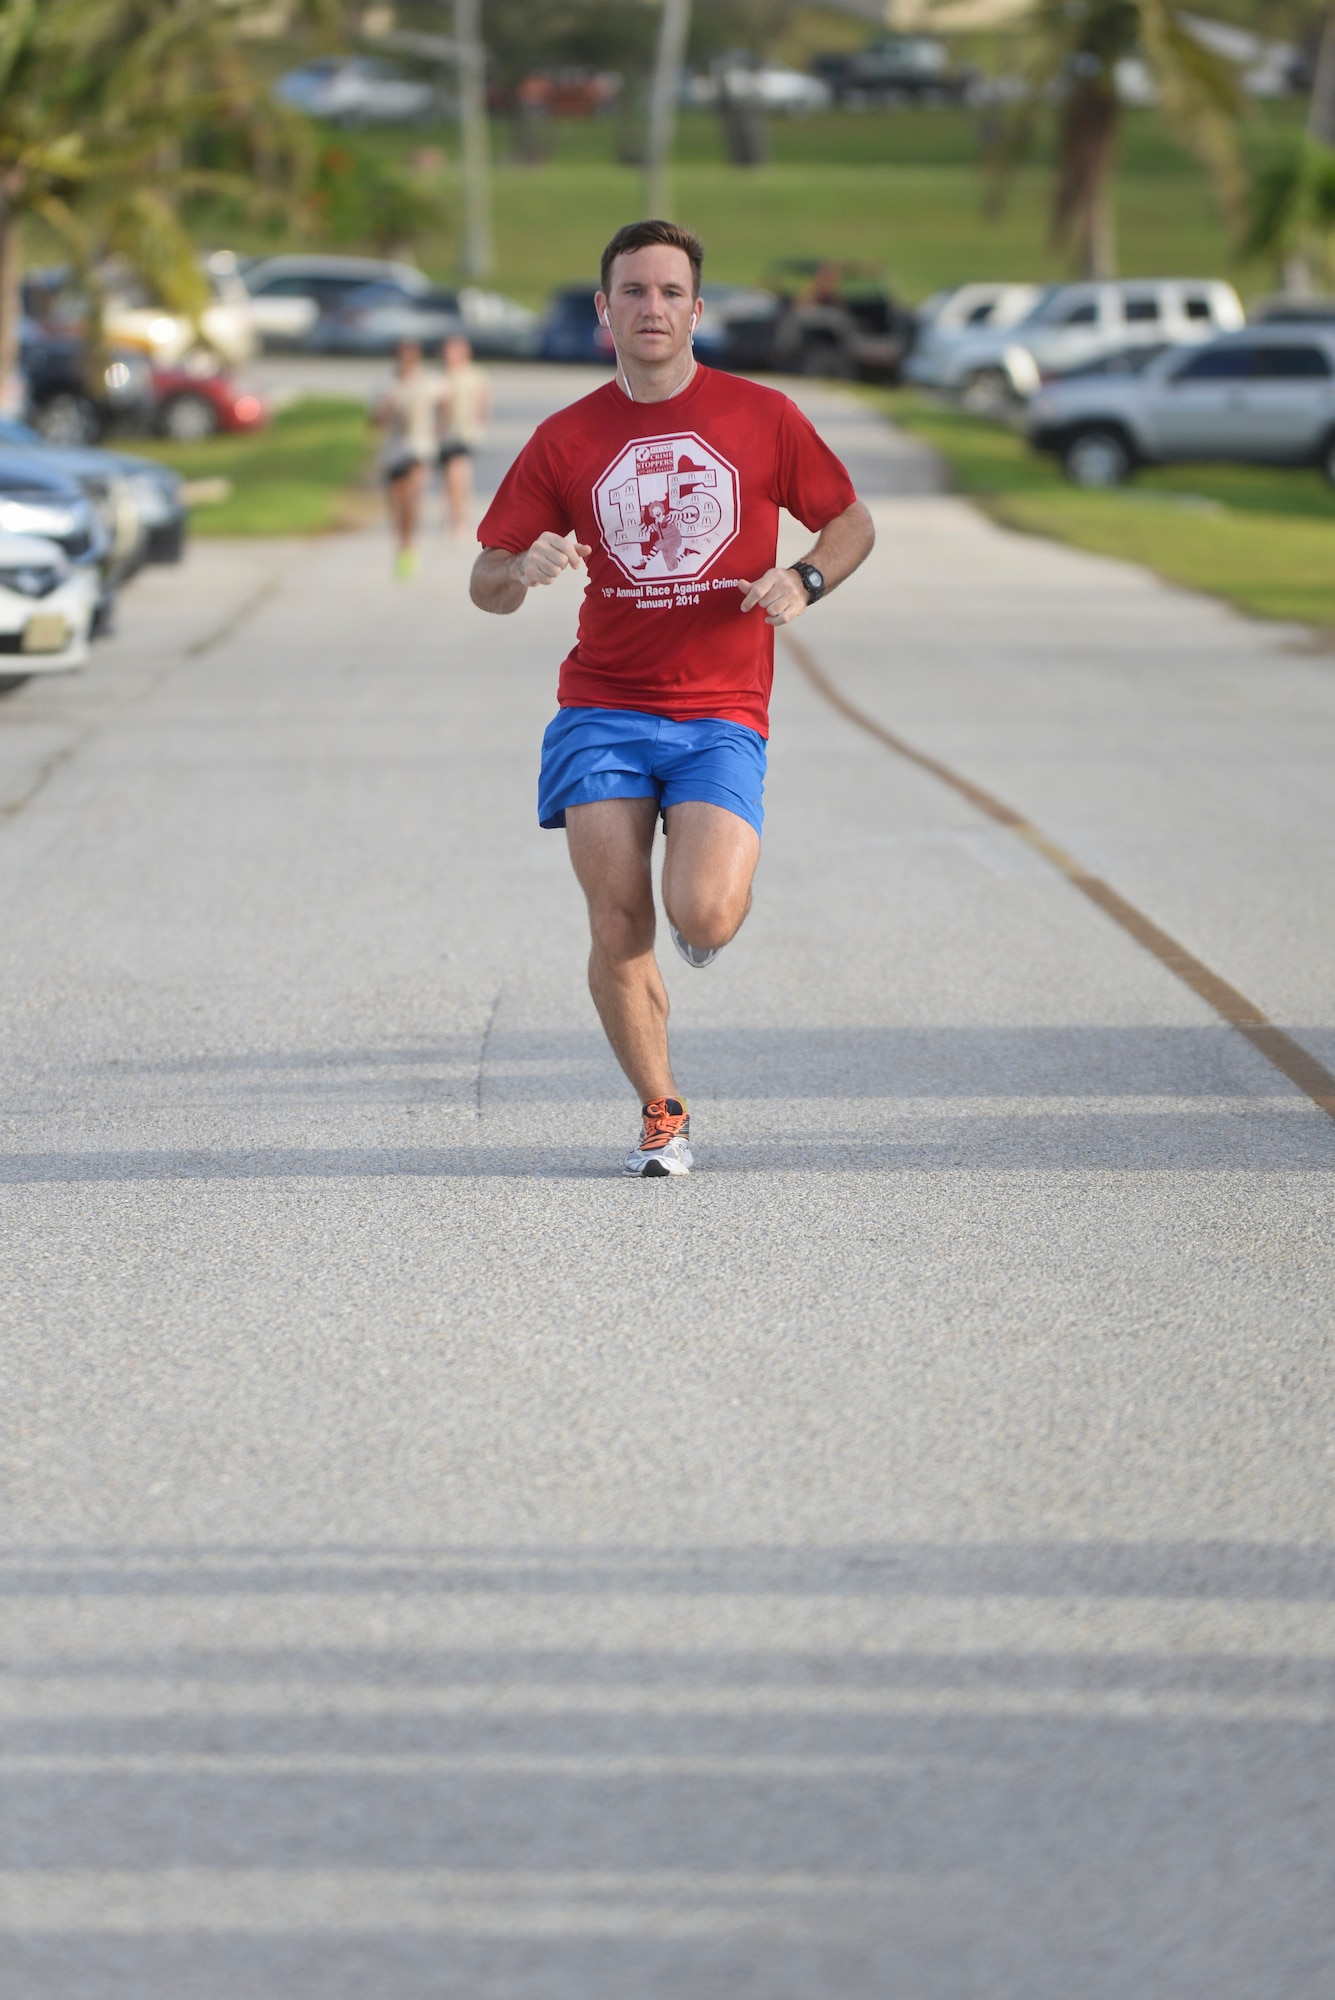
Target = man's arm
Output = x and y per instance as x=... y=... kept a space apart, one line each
x=841 y=545
x=500 y=581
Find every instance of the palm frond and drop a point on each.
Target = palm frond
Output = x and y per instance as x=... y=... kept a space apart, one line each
x=1202 y=97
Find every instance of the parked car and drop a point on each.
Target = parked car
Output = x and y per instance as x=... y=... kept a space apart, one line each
x=1264 y=396
x=737 y=326
x=1284 y=310
x=1071 y=324
x=837 y=319
x=895 y=69
x=133 y=319
x=356 y=90
x=200 y=399
x=941 y=322
x=373 y=319
x=36 y=499
x=498 y=327
x=1121 y=361
x=572 y=331
x=47 y=607
x=153 y=492
x=763 y=85
x=72 y=401
x=291 y=296
x=561 y=93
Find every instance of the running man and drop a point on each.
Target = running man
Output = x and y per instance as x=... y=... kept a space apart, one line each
x=466 y=411
x=667 y=482
x=409 y=413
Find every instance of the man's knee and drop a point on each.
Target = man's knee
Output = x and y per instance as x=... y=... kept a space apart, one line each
x=622 y=929
x=709 y=921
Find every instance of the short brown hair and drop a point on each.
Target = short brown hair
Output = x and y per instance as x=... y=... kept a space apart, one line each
x=643 y=236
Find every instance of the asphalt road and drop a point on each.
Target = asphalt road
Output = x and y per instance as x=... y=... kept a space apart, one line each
x=895 y=1564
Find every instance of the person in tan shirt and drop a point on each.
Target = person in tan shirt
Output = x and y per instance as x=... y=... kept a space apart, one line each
x=409 y=412
x=465 y=413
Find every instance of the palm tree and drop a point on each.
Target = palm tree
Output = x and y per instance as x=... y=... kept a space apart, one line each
x=100 y=104
x=1077 y=47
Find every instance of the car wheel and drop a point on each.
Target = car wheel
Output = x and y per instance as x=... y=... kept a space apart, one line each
x=988 y=392
x=188 y=418
x=1328 y=458
x=1097 y=458
x=68 y=419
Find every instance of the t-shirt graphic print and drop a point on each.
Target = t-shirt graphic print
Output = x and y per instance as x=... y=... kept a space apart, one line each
x=667 y=506
x=679 y=503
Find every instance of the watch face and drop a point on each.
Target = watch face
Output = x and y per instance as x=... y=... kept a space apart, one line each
x=814 y=578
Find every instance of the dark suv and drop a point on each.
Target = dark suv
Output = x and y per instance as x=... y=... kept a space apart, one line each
x=837 y=319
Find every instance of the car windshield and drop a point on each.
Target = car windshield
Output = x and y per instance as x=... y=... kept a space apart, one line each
x=1038 y=312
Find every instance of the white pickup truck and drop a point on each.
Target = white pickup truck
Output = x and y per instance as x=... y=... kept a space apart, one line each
x=994 y=366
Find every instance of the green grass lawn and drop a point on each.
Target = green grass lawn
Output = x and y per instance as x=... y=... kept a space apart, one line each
x=290 y=479
x=903 y=189
x=1264 y=540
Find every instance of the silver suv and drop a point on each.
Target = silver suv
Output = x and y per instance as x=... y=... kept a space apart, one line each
x=1265 y=397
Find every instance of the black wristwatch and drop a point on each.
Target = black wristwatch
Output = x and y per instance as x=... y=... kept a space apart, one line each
x=812 y=581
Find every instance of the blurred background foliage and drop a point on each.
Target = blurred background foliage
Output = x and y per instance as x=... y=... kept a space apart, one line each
x=906 y=188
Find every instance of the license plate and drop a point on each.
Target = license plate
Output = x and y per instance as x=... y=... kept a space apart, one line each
x=47 y=633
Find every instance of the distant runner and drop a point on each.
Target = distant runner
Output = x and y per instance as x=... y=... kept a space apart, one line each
x=667 y=482
x=465 y=413
x=409 y=413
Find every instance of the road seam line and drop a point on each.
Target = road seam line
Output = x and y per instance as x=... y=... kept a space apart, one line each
x=1278 y=1047
x=486 y=1044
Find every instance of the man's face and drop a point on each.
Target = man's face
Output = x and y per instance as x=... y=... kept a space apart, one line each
x=651 y=304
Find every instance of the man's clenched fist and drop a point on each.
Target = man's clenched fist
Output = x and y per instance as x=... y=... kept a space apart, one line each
x=549 y=555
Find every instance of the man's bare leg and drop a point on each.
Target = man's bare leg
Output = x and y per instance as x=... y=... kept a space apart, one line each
x=711 y=858
x=611 y=842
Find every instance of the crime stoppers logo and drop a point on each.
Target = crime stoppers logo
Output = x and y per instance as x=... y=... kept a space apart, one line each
x=667 y=506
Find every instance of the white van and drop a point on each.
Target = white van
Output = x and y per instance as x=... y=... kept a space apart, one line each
x=1072 y=325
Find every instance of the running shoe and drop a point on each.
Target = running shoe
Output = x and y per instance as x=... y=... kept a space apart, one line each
x=405 y=564
x=664 y=1137
x=699 y=959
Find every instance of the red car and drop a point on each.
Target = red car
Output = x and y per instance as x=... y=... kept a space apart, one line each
x=195 y=403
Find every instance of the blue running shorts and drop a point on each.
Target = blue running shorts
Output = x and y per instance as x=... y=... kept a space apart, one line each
x=619 y=753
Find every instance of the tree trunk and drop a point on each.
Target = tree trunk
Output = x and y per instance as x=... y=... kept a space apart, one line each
x=11 y=307
x=1082 y=208
x=1101 y=239
x=672 y=33
x=1321 y=111
x=745 y=133
x=473 y=147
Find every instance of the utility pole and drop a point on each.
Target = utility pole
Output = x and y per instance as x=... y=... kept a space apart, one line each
x=672 y=32
x=473 y=146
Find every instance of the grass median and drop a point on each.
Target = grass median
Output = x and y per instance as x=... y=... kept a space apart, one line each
x=1263 y=540
x=292 y=478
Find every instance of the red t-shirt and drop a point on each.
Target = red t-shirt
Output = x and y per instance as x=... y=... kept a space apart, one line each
x=679 y=502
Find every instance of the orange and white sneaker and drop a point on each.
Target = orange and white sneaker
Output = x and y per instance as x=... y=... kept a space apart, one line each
x=664 y=1141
